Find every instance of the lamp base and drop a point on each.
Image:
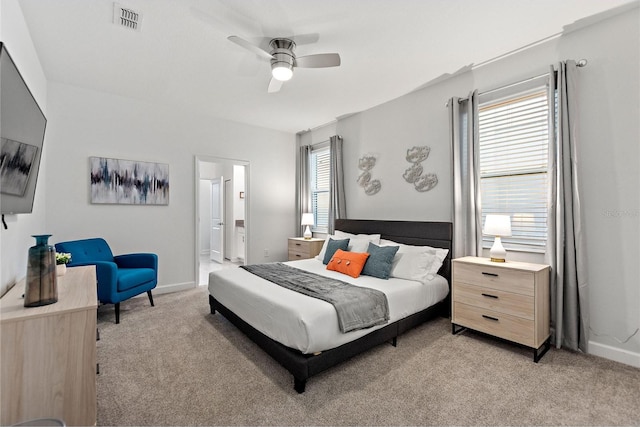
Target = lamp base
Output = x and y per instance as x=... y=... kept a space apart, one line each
x=497 y=252
x=307 y=233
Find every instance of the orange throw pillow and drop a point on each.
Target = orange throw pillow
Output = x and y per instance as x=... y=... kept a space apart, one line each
x=350 y=263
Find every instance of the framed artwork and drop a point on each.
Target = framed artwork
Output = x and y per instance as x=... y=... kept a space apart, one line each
x=128 y=182
x=16 y=160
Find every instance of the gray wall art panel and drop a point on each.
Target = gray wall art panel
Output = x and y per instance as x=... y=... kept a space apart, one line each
x=128 y=182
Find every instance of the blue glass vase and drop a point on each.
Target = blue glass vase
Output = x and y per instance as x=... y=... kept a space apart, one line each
x=41 y=287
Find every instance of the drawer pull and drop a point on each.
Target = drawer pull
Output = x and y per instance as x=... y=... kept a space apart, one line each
x=298 y=244
x=489 y=274
x=490 y=296
x=490 y=318
x=298 y=255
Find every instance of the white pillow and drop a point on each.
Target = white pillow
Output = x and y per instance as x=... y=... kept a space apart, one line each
x=358 y=242
x=420 y=263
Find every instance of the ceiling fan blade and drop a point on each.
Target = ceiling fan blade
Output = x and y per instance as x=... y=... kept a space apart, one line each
x=245 y=44
x=274 y=85
x=308 y=38
x=320 y=60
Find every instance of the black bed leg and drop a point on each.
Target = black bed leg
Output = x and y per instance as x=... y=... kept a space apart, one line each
x=299 y=385
x=394 y=342
x=213 y=310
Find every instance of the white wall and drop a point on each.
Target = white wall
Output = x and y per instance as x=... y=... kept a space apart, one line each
x=609 y=161
x=86 y=123
x=238 y=186
x=16 y=240
x=205 y=216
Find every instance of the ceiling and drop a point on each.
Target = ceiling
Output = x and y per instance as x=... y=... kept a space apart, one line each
x=181 y=56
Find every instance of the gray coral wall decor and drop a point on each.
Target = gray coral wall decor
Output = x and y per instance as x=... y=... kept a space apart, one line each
x=365 y=164
x=413 y=174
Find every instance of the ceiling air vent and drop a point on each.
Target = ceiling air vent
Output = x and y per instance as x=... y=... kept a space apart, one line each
x=126 y=17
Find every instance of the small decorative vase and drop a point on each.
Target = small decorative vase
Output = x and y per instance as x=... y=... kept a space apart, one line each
x=61 y=269
x=41 y=287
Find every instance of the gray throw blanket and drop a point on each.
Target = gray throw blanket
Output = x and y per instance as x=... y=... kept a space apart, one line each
x=357 y=307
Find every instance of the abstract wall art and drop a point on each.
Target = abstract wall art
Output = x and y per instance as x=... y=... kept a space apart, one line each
x=413 y=174
x=16 y=159
x=128 y=182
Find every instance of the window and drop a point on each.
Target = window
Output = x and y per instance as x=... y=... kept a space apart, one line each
x=320 y=172
x=514 y=163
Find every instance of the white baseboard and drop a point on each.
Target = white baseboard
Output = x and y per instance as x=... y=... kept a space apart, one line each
x=615 y=354
x=166 y=289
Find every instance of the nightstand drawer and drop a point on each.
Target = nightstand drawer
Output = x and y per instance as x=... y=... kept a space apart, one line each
x=294 y=255
x=501 y=325
x=504 y=302
x=504 y=279
x=299 y=248
x=304 y=248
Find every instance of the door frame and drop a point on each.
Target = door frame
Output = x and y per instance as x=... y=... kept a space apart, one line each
x=198 y=159
x=222 y=214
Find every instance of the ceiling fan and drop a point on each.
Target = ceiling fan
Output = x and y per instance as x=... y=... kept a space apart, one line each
x=284 y=60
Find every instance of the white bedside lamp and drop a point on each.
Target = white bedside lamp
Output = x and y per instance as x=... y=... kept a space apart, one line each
x=498 y=226
x=307 y=219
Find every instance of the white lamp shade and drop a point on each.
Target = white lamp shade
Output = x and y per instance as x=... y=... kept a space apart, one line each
x=307 y=219
x=497 y=225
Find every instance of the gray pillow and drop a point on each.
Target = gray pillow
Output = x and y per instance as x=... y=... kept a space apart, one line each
x=332 y=247
x=380 y=260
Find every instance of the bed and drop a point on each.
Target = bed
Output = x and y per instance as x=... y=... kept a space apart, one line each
x=301 y=332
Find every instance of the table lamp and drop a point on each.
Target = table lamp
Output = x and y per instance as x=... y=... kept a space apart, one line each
x=307 y=219
x=498 y=226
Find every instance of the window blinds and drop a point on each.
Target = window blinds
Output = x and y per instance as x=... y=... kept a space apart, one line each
x=320 y=176
x=513 y=160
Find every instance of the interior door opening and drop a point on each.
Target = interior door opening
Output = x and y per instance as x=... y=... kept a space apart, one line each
x=216 y=241
x=221 y=219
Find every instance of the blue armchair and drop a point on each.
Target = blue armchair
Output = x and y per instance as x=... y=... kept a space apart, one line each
x=119 y=277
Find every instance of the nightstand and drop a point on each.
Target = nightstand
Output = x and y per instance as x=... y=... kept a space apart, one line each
x=508 y=300
x=301 y=248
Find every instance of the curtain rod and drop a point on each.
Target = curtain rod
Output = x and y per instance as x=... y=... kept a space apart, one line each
x=319 y=143
x=580 y=63
x=326 y=141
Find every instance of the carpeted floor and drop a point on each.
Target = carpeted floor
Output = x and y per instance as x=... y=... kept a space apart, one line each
x=176 y=364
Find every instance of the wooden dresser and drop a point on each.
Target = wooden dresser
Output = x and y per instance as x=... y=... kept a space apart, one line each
x=508 y=300
x=301 y=248
x=49 y=353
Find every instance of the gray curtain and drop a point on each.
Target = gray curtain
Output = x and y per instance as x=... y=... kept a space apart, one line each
x=303 y=202
x=565 y=243
x=467 y=218
x=337 y=203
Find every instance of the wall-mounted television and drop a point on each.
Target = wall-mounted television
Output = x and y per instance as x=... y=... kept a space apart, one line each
x=22 y=126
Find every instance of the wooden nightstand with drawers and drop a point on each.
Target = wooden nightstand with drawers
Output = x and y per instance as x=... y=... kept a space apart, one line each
x=301 y=248
x=508 y=300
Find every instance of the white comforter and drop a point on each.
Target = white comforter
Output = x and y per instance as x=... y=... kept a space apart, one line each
x=309 y=324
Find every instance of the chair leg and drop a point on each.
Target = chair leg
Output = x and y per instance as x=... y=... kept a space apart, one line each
x=117 y=313
x=150 y=298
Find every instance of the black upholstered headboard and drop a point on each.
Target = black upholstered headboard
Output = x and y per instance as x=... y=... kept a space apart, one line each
x=418 y=233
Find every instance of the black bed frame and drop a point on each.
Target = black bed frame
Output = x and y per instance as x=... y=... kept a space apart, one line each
x=303 y=366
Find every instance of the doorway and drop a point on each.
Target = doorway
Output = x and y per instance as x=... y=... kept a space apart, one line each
x=221 y=214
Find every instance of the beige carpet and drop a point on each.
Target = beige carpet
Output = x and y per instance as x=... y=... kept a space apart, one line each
x=175 y=364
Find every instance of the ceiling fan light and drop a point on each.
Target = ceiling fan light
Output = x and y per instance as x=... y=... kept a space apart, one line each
x=282 y=73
